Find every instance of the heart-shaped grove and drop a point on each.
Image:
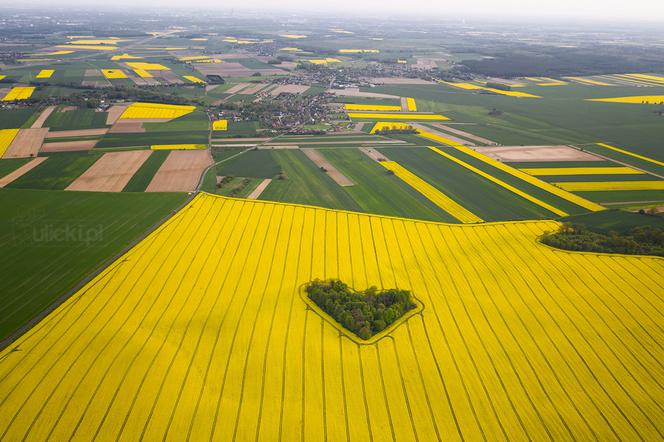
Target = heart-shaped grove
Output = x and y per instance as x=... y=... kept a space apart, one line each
x=366 y=314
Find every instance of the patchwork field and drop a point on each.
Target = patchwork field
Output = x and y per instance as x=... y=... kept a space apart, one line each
x=182 y=338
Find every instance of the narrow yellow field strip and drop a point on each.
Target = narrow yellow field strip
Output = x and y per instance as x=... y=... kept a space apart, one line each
x=88 y=47
x=501 y=183
x=19 y=93
x=431 y=193
x=589 y=186
x=193 y=79
x=412 y=104
x=372 y=107
x=589 y=205
x=588 y=81
x=397 y=116
x=636 y=99
x=112 y=74
x=475 y=87
x=45 y=73
x=632 y=154
x=653 y=78
x=545 y=171
x=6 y=138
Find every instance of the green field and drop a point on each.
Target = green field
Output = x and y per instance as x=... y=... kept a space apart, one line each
x=141 y=179
x=484 y=198
x=52 y=240
x=376 y=191
x=76 y=119
x=255 y=163
x=615 y=220
x=15 y=118
x=149 y=138
x=57 y=172
x=195 y=121
x=9 y=165
x=304 y=183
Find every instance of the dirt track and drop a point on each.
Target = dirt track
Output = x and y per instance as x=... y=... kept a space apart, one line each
x=259 y=189
x=39 y=122
x=181 y=171
x=355 y=92
x=469 y=136
x=373 y=154
x=111 y=172
x=114 y=113
x=76 y=133
x=319 y=160
x=26 y=144
x=21 y=171
x=68 y=146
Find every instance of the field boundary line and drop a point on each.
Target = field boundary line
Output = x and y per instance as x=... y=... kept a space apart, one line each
x=632 y=154
x=575 y=199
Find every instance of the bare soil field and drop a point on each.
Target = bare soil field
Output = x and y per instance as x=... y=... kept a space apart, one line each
x=21 y=171
x=69 y=146
x=536 y=153
x=111 y=172
x=355 y=92
x=77 y=133
x=114 y=113
x=96 y=83
x=253 y=89
x=167 y=76
x=26 y=144
x=319 y=160
x=127 y=127
x=289 y=89
x=259 y=189
x=39 y=122
x=92 y=73
x=181 y=171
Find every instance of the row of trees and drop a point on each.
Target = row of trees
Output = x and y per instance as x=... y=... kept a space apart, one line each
x=363 y=313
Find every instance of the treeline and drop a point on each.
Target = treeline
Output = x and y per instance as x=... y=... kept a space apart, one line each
x=364 y=313
x=643 y=240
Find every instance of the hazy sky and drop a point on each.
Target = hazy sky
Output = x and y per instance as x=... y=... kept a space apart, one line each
x=651 y=10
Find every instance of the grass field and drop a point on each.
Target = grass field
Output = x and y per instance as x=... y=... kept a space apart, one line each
x=51 y=240
x=15 y=118
x=150 y=138
x=184 y=339
x=255 y=163
x=57 y=172
x=9 y=165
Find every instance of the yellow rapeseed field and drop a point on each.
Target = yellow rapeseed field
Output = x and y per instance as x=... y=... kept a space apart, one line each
x=389 y=125
x=147 y=66
x=142 y=73
x=396 y=116
x=194 y=58
x=220 y=125
x=293 y=36
x=53 y=53
x=412 y=104
x=475 y=87
x=19 y=93
x=178 y=147
x=651 y=78
x=591 y=186
x=199 y=333
x=98 y=41
x=125 y=57
x=323 y=61
x=6 y=138
x=372 y=107
x=113 y=73
x=2 y=76
x=155 y=110
x=45 y=73
x=193 y=79
x=431 y=193
x=547 y=171
x=636 y=99
x=88 y=47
